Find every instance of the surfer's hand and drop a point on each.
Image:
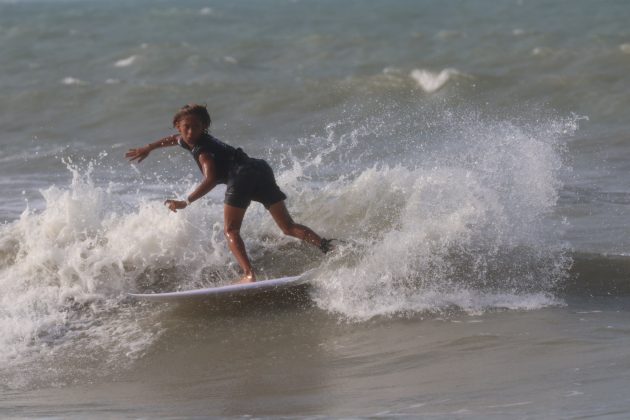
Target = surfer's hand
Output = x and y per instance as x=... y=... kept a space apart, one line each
x=174 y=205
x=138 y=154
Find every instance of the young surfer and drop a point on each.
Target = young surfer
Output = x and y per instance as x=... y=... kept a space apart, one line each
x=247 y=180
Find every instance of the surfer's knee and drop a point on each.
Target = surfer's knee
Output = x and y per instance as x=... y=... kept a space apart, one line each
x=231 y=232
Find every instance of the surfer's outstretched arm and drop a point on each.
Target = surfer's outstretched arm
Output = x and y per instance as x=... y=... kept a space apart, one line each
x=141 y=153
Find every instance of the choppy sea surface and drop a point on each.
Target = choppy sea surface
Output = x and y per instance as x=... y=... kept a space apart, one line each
x=473 y=155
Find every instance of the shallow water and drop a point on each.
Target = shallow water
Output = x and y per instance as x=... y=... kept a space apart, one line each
x=562 y=362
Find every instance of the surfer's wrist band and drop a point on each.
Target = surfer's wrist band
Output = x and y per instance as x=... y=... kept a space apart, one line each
x=188 y=202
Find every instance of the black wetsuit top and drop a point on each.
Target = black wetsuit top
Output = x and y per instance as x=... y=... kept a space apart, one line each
x=247 y=179
x=226 y=158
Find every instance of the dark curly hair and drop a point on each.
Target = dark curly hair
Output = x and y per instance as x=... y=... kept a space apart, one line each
x=199 y=111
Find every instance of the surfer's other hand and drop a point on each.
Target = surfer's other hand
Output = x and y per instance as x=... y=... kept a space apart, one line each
x=174 y=205
x=138 y=154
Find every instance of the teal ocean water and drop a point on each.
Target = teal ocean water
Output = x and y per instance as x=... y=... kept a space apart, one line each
x=473 y=154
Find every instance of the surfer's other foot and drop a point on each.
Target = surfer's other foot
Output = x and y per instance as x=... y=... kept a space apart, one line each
x=326 y=245
x=247 y=278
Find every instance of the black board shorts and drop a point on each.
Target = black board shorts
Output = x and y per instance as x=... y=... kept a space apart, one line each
x=252 y=180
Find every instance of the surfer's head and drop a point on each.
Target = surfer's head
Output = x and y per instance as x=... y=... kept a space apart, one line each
x=193 y=110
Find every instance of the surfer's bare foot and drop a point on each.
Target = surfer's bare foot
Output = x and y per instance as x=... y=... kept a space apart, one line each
x=247 y=278
x=326 y=245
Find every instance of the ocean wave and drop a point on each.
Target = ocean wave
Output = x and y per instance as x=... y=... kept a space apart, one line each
x=597 y=274
x=126 y=62
x=62 y=283
x=462 y=216
x=206 y=11
x=70 y=81
x=431 y=82
x=457 y=222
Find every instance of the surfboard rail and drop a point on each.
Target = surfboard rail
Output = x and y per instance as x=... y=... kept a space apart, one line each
x=231 y=289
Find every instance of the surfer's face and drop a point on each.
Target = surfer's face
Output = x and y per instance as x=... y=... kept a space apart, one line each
x=191 y=128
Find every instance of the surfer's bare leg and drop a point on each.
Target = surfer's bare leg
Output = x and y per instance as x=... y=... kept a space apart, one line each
x=284 y=221
x=233 y=219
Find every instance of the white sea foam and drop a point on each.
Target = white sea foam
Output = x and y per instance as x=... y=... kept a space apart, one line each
x=206 y=11
x=431 y=82
x=73 y=81
x=126 y=62
x=542 y=51
x=64 y=272
x=466 y=232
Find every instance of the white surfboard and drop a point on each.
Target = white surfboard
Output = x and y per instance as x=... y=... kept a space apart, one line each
x=260 y=286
